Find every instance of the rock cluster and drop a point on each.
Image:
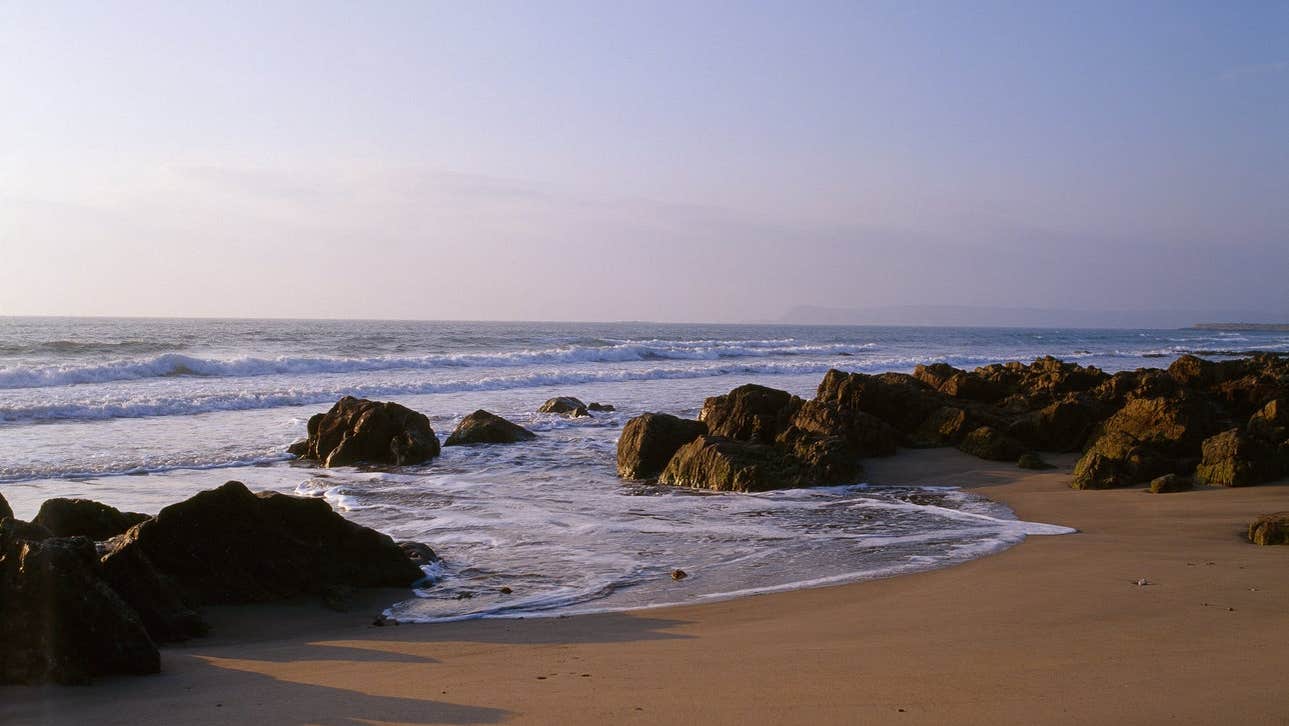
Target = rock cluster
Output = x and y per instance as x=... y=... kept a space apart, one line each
x=95 y=590
x=1225 y=423
x=376 y=432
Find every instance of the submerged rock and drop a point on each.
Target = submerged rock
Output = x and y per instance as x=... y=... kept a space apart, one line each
x=602 y=407
x=85 y=518
x=650 y=440
x=564 y=405
x=59 y=621
x=1270 y=529
x=357 y=430
x=482 y=427
x=228 y=545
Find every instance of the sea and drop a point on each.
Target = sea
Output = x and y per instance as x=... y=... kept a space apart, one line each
x=140 y=413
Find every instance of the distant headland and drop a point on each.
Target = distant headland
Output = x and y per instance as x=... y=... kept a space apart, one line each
x=1256 y=327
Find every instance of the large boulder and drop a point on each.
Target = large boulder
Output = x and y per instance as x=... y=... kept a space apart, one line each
x=59 y=621
x=648 y=442
x=1271 y=423
x=228 y=545
x=865 y=434
x=727 y=465
x=1117 y=460
x=85 y=518
x=823 y=459
x=1233 y=459
x=155 y=597
x=1170 y=425
x=1060 y=426
x=989 y=443
x=1270 y=529
x=565 y=406
x=377 y=432
x=482 y=427
x=751 y=413
x=900 y=400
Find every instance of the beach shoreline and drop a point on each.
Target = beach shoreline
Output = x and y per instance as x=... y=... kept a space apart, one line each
x=1054 y=630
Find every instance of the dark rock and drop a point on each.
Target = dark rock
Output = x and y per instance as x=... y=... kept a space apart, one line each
x=679 y=574
x=357 y=430
x=865 y=434
x=1232 y=459
x=750 y=413
x=1192 y=372
x=972 y=387
x=564 y=405
x=1117 y=460
x=945 y=426
x=1170 y=425
x=5 y=511
x=1030 y=460
x=155 y=597
x=824 y=459
x=299 y=449
x=1060 y=426
x=935 y=374
x=228 y=545
x=1270 y=529
x=648 y=442
x=85 y=518
x=420 y=554
x=900 y=400
x=482 y=427
x=727 y=465
x=603 y=407
x=989 y=443
x=1169 y=483
x=59 y=621
x=1271 y=423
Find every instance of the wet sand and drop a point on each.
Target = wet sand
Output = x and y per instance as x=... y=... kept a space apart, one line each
x=1055 y=630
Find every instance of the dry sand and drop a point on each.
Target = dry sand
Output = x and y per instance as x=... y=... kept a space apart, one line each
x=1054 y=630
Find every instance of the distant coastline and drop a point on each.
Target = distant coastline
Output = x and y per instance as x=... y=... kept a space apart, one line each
x=1255 y=327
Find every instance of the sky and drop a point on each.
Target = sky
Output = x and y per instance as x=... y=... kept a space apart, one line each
x=672 y=161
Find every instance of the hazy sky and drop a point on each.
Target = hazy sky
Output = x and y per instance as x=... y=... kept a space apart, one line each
x=643 y=160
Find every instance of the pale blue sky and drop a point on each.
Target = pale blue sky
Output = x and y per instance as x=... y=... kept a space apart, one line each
x=667 y=161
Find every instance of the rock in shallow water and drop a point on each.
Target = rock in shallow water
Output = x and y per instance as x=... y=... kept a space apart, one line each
x=564 y=405
x=377 y=432
x=482 y=427
x=650 y=440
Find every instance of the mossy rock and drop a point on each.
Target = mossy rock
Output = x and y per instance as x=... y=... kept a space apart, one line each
x=1270 y=529
x=1169 y=483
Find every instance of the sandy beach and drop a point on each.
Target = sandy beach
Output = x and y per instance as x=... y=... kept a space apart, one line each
x=1055 y=630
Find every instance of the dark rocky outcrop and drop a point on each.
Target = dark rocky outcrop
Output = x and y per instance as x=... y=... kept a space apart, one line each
x=155 y=597
x=482 y=427
x=945 y=426
x=565 y=406
x=5 y=511
x=85 y=518
x=1060 y=426
x=900 y=400
x=59 y=621
x=1169 y=483
x=1030 y=460
x=650 y=440
x=419 y=553
x=601 y=407
x=1170 y=425
x=751 y=413
x=989 y=443
x=1270 y=529
x=1233 y=459
x=228 y=545
x=726 y=465
x=1117 y=460
x=1271 y=423
x=375 y=432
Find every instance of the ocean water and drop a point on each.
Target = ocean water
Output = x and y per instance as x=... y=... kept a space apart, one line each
x=141 y=413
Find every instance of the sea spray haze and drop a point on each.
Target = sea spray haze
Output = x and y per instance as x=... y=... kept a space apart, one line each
x=139 y=413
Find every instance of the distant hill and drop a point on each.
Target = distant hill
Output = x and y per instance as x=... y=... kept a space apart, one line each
x=966 y=316
x=1257 y=327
